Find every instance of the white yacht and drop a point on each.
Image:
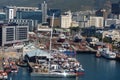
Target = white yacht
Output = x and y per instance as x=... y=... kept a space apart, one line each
x=105 y=52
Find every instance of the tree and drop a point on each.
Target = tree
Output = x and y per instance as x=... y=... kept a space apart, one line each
x=107 y=40
x=74 y=29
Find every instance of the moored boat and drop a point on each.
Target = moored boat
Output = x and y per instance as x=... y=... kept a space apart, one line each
x=61 y=38
x=98 y=54
x=105 y=52
x=22 y=64
x=118 y=56
x=54 y=74
x=14 y=68
x=3 y=75
x=7 y=68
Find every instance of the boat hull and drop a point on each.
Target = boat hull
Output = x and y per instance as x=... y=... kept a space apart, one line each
x=107 y=54
x=53 y=75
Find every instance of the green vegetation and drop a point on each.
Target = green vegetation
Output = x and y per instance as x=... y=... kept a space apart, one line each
x=107 y=40
x=74 y=30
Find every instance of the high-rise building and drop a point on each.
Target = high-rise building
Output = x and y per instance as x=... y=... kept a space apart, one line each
x=116 y=8
x=44 y=12
x=33 y=15
x=11 y=10
x=56 y=22
x=66 y=20
x=13 y=33
x=95 y=21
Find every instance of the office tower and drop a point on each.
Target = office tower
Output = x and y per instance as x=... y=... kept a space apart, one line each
x=11 y=33
x=116 y=9
x=32 y=15
x=9 y=12
x=44 y=12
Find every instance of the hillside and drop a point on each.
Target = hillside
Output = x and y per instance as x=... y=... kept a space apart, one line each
x=62 y=4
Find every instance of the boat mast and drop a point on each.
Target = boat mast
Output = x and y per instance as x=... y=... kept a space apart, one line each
x=51 y=32
x=51 y=40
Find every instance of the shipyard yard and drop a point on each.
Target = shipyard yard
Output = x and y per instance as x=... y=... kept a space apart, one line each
x=40 y=68
x=75 y=56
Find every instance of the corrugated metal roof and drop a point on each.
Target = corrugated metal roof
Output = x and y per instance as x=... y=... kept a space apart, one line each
x=38 y=52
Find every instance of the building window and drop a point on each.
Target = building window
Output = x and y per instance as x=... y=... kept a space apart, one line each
x=10 y=34
x=22 y=33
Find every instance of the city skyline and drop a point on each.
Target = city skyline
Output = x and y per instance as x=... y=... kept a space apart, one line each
x=68 y=4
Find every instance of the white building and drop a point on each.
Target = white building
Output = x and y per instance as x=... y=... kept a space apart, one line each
x=109 y=22
x=113 y=34
x=74 y=24
x=96 y=21
x=44 y=12
x=12 y=34
x=66 y=20
x=43 y=27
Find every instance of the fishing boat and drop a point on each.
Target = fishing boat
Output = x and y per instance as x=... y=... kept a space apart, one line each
x=22 y=64
x=7 y=68
x=14 y=68
x=3 y=75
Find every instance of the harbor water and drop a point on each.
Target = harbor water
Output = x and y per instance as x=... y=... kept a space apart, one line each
x=95 y=69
